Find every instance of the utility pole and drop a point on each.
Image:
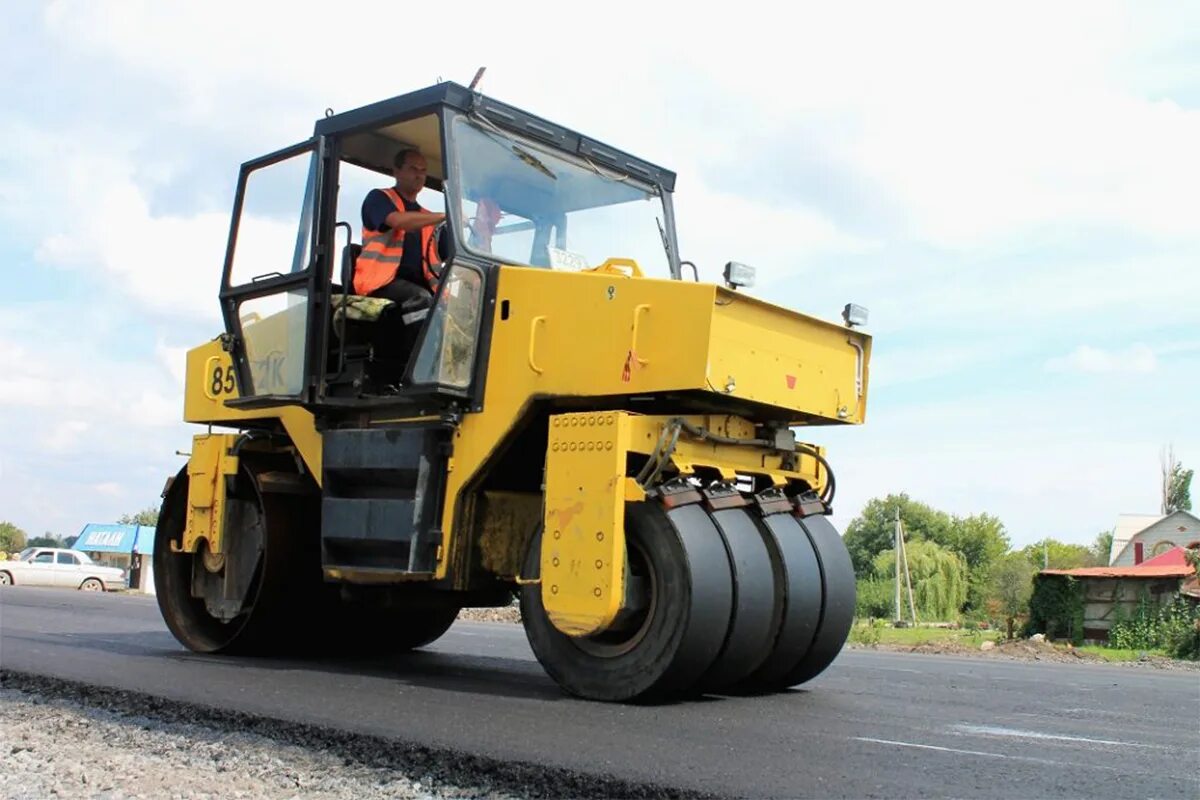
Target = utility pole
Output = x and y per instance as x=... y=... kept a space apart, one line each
x=912 y=604
x=897 y=551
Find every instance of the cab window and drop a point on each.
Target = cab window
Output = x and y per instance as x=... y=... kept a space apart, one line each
x=67 y=558
x=44 y=558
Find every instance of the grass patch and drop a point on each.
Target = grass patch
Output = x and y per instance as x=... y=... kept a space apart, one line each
x=882 y=633
x=1117 y=653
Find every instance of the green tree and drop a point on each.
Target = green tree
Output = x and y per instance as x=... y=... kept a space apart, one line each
x=1102 y=548
x=873 y=531
x=12 y=538
x=147 y=516
x=939 y=578
x=980 y=539
x=1192 y=556
x=1179 y=490
x=1010 y=586
x=1060 y=555
x=47 y=539
x=874 y=598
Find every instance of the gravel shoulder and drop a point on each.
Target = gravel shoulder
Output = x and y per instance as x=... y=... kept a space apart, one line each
x=72 y=740
x=55 y=748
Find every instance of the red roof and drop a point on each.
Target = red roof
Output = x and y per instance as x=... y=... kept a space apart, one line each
x=1171 y=564
x=1138 y=571
x=1172 y=558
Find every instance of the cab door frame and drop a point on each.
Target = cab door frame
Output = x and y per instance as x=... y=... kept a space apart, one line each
x=307 y=278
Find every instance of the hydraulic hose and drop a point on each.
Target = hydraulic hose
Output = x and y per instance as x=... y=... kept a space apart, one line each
x=704 y=434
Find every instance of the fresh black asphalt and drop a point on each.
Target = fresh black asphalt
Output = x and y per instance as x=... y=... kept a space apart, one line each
x=876 y=724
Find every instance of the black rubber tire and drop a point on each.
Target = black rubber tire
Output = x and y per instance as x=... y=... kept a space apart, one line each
x=683 y=630
x=798 y=578
x=757 y=606
x=286 y=590
x=92 y=585
x=837 y=610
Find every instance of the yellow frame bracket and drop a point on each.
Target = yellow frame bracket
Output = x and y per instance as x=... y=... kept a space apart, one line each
x=583 y=542
x=208 y=467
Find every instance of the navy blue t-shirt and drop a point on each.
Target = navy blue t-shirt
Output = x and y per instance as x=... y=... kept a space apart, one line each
x=375 y=209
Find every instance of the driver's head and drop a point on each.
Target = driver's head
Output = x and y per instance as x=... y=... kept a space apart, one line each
x=410 y=169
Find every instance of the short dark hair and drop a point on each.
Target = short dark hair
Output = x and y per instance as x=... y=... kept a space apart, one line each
x=398 y=161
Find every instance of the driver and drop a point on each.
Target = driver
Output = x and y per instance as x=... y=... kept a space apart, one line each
x=397 y=261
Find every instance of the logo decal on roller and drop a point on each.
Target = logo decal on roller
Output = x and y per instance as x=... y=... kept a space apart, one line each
x=791 y=381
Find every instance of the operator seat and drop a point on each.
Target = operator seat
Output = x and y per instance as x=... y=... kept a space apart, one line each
x=375 y=332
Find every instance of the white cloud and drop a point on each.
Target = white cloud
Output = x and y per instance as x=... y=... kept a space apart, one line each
x=156 y=408
x=962 y=143
x=1135 y=359
x=174 y=359
x=65 y=435
x=171 y=264
x=109 y=488
x=1042 y=460
x=933 y=163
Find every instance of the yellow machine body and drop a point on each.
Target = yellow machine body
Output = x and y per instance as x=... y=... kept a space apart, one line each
x=593 y=335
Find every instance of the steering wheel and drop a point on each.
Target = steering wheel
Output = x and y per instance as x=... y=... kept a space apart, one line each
x=434 y=242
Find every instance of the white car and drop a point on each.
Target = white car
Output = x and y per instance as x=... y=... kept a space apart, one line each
x=51 y=566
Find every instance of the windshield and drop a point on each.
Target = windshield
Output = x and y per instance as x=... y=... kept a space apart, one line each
x=25 y=554
x=523 y=203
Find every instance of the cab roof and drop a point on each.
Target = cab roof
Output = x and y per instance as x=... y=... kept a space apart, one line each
x=372 y=132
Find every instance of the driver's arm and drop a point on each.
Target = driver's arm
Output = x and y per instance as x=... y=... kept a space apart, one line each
x=413 y=220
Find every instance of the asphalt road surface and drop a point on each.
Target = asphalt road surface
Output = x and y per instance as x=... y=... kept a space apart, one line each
x=876 y=724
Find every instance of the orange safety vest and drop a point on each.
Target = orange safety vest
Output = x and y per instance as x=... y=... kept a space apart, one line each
x=383 y=250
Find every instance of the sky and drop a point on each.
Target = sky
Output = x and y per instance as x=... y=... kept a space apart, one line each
x=1011 y=190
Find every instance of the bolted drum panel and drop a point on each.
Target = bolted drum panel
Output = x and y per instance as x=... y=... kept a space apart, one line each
x=583 y=546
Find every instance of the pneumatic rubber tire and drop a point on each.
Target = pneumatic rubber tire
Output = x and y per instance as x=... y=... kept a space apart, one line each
x=679 y=636
x=798 y=584
x=837 y=608
x=757 y=604
x=817 y=583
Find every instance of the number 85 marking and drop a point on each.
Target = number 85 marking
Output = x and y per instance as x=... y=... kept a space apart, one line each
x=221 y=381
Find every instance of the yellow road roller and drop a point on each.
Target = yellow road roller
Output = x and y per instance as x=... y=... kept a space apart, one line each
x=570 y=416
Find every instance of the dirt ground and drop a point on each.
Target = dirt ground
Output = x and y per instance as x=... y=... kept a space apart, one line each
x=1016 y=649
x=506 y=614
x=1027 y=650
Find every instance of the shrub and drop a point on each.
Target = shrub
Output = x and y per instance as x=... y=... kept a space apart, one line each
x=1172 y=626
x=867 y=633
x=874 y=599
x=1056 y=608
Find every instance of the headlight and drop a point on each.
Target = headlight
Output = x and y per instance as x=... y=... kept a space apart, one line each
x=854 y=315
x=737 y=274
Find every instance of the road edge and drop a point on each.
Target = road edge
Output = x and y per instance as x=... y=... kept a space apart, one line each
x=523 y=779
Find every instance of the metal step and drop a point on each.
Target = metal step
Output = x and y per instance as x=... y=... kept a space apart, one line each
x=382 y=496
